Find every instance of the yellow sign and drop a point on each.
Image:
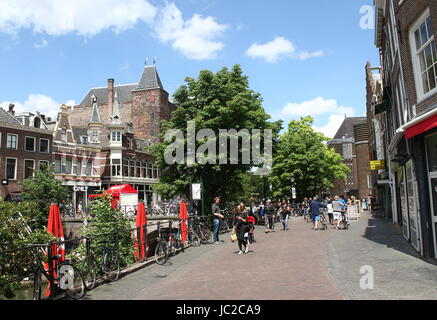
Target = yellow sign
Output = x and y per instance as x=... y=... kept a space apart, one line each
x=377 y=163
x=377 y=167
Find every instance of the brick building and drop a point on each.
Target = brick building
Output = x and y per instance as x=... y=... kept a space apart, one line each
x=351 y=142
x=23 y=149
x=102 y=141
x=406 y=34
x=377 y=124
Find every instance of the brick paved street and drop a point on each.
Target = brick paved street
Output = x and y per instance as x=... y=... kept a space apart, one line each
x=298 y=264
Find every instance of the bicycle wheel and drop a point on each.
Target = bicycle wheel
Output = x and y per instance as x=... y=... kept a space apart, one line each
x=72 y=281
x=89 y=274
x=38 y=287
x=207 y=235
x=172 y=246
x=161 y=252
x=194 y=239
x=111 y=266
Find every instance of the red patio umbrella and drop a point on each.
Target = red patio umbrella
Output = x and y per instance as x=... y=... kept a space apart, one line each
x=183 y=215
x=54 y=226
x=140 y=252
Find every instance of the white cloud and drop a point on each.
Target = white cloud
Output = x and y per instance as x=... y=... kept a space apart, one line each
x=42 y=44
x=304 y=55
x=315 y=107
x=331 y=128
x=195 y=38
x=38 y=102
x=271 y=51
x=320 y=109
x=84 y=17
x=279 y=48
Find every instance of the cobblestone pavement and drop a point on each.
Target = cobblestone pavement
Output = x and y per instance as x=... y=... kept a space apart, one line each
x=399 y=273
x=287 y=265
x=281 y=265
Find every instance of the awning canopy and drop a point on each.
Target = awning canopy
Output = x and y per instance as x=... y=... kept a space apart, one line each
x=124 y=188
x=421 y=127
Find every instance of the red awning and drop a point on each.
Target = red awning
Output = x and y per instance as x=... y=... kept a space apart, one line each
x=421 y=127
x=125 y=188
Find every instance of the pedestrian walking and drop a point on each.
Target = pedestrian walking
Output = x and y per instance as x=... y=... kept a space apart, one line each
x=315 y=211
x=216 y=219
x=285 y=213
x=337 y=209
x=269 y=216
x=241 y=228
x=330 y=212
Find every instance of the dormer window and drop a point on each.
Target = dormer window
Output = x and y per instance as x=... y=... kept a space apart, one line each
x=116 y=136
x=84 y=139
x=95 y=136
x=64 y=135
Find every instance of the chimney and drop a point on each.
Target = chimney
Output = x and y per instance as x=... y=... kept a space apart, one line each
x=110 y=96
x=11 y=109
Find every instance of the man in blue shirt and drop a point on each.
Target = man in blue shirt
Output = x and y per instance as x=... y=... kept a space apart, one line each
x=315 y=206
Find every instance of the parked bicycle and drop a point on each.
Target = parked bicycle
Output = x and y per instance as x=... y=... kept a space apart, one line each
x=111 y=260
x=175 y=241
x=65 y=279
x=203 y=230
x=161 y=250
x=88 y=266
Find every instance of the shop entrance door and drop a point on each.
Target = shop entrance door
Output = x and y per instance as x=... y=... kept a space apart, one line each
x=431 y=150
x=412 y=206
x=433 y=191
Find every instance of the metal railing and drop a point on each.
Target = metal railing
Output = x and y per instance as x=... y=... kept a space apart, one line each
x=17 y=265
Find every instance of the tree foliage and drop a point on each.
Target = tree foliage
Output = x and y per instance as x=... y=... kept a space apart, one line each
x=43 y=189
x=221 y=100
x=16 y=263
x=303 y=155
x=107 y=222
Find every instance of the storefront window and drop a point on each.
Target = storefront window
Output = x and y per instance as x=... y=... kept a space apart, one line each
x=431 y=146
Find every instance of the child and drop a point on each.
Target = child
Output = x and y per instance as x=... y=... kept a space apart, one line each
x=251 y=220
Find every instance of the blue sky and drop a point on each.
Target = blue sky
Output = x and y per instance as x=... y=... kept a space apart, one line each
x=304 y=57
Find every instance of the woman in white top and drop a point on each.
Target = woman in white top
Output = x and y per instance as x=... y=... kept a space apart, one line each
x=330 y=212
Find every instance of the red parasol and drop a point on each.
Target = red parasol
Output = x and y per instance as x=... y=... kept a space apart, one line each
x=54 y=226
x=140 y=252
x=183 y=215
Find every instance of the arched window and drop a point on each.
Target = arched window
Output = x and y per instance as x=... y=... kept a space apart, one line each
x=37 y=122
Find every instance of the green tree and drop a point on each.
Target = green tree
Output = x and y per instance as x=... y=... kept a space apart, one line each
x=221 y=100
x=17 y=263
x=43 y=189
x=303 y=155
x=107 y=222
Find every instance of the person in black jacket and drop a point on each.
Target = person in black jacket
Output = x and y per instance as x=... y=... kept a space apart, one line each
x=241 y=228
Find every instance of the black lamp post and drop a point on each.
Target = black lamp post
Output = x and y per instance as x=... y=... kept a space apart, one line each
x=190 y=179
